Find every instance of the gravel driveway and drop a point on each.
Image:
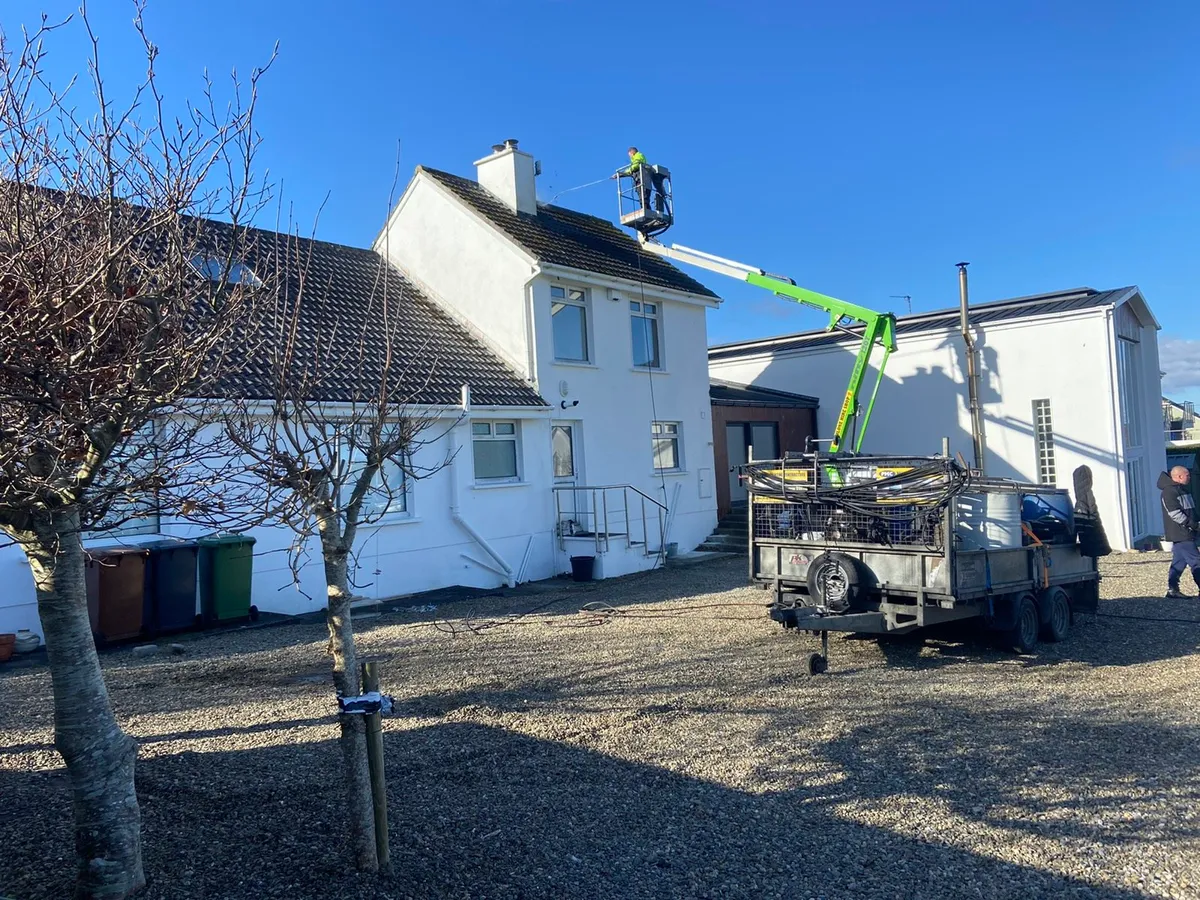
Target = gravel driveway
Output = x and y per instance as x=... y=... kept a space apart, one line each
x=670 y=749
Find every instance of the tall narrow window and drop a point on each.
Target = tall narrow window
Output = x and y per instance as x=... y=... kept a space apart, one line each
x=644 y=320
x=1135 y=477
x=1043 y=437
x=568 y=312
x=1130 y=388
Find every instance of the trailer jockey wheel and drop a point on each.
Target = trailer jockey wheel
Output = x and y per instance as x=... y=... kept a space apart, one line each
x=817 y=664
x=833 y=581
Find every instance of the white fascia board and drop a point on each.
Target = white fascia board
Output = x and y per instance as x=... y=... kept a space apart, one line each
x=1135 y=293
x=263 y=408
x=627 y=284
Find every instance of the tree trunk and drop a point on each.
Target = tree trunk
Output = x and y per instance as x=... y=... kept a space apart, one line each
x=360 y=808
x=99 y=756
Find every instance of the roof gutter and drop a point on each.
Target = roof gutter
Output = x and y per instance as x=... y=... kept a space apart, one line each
x=599 y=280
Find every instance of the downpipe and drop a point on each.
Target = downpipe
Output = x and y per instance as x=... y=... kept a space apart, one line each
x=972 y=369
x=506 y=572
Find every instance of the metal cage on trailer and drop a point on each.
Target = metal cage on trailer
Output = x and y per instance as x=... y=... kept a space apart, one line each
x=891 y=544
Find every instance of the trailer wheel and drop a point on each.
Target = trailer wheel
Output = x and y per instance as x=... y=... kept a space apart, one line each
x=833 y=581
x=817 y=664
x=1058 y=615
x=1023 y=636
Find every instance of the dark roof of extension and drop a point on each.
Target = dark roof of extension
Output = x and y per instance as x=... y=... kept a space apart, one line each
x=726 y=393
x=342 y=338
x=563 y=237
x=980 y=313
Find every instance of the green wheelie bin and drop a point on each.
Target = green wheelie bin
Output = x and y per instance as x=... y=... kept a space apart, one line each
x=226 y=567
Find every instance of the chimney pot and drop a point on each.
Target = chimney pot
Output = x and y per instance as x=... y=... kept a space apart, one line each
x=496 y=148
x=511 y=143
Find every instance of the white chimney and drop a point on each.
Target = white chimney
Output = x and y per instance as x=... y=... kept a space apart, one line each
x=509 y=174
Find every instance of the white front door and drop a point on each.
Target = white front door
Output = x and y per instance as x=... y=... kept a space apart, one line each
x=567 y=458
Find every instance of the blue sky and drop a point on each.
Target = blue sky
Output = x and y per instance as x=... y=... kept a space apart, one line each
x=863 y=148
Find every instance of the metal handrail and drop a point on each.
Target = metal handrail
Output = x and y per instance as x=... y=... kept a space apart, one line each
x=599 y=513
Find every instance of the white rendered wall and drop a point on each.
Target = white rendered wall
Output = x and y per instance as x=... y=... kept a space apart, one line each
x=617 y=403
x=478 y=276
x=1065 y=359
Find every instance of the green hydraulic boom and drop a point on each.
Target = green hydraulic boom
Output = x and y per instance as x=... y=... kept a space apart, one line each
x=878 y=328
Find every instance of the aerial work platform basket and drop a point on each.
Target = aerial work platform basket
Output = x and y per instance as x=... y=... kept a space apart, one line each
x=644 y=199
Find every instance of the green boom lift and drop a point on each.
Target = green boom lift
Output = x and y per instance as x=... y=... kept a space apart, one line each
x=650 y=220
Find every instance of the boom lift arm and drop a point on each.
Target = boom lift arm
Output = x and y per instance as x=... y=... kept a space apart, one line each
x=878 y=328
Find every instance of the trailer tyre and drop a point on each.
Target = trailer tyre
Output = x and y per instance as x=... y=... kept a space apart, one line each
x=1058 y=615
x=1023 y=637
x=833 y=581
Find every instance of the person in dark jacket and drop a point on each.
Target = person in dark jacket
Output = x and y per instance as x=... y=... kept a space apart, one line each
x=1179 y=527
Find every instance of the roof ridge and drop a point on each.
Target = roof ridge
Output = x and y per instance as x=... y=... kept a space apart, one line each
x=561 y=236
x=931 y=316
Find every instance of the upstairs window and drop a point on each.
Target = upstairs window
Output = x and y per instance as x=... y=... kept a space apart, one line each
x=568 y=312
x=644 y=320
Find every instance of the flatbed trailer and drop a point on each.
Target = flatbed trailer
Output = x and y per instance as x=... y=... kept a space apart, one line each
x=890 y=545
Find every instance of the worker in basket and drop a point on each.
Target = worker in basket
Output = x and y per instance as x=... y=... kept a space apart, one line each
x=645 y=176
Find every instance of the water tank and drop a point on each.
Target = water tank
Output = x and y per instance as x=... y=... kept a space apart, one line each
x=988 y=520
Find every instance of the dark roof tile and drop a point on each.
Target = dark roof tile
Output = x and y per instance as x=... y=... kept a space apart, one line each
x=563 y=237
x=342 y=327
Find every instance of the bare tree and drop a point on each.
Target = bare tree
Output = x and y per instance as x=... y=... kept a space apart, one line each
x=117 y=307
x=332 y=423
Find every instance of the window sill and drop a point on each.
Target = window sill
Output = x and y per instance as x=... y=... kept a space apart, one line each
x=485 y=486
x=395 y=519
x=668 y=472
x=575 y=364
x=645 y=370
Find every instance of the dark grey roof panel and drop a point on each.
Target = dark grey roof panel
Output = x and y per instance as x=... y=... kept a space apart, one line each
x=341 y=324
x=563 y=237
x=941 y=320
x=726 y=393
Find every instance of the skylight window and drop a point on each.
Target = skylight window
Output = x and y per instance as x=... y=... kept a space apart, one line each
x=212 y=268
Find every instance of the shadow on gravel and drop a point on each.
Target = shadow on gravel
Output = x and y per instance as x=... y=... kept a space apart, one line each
x=1055 y=776
x=1103 y=640
x=477 y=811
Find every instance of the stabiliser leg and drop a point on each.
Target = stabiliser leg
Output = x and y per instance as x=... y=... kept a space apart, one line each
x=819 y=662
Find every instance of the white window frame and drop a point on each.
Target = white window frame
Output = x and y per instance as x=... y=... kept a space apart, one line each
x=493 y=436
x=1043 y=442
x=659 y=432
x=140 y=442
x=212 y=266
x=638 y=310
x=581 y=302
x=399 y=502
x=1129 y=386
x=1135 y=479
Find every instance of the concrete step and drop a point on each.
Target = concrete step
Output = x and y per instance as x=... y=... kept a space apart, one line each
x=732 y=528
x=726 y=542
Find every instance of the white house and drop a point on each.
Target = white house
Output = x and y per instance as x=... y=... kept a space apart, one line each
x=1065 y=379
x=571 y=366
